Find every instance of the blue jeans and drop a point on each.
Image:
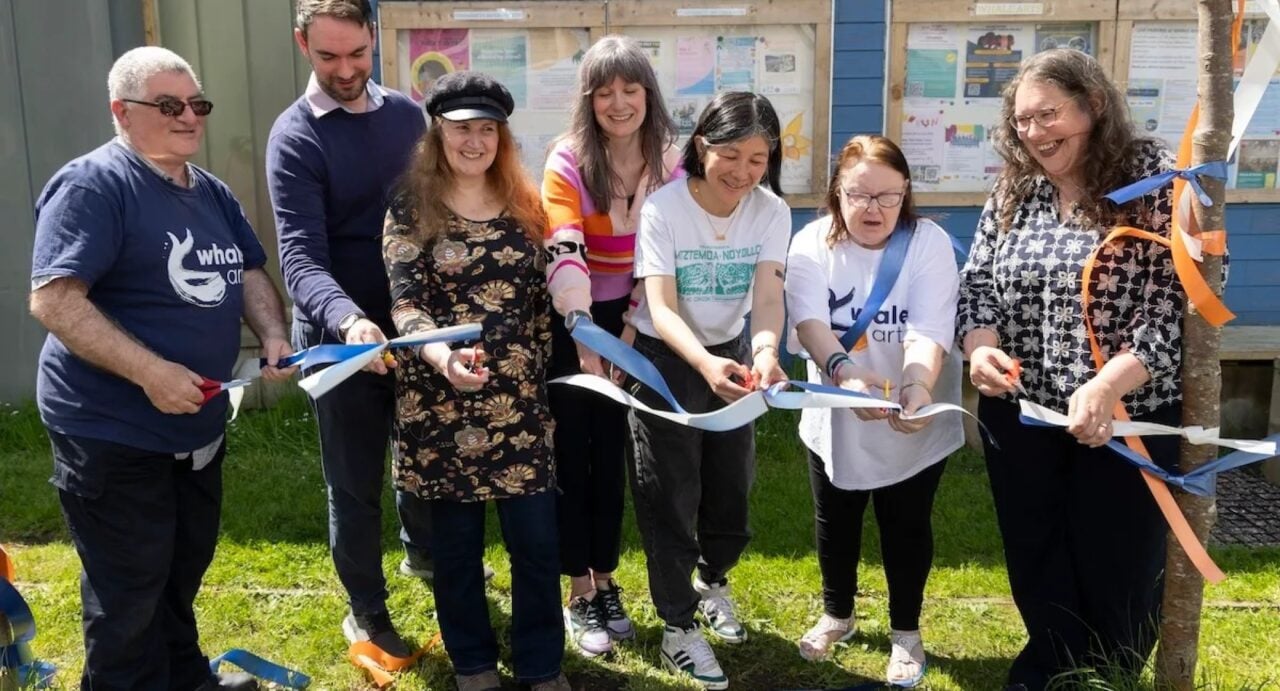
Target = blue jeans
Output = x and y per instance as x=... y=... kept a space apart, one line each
x=537 y=627
x=355 y=426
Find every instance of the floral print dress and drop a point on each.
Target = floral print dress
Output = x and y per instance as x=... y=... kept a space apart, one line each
x=495 y=442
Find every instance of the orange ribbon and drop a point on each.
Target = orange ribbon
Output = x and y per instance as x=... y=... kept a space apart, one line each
x=379 y=663
x=1206 y=302
x=6 y=566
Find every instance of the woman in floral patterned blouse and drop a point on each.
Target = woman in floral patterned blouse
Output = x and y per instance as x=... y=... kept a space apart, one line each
x=461 y=245
x=1083 y=539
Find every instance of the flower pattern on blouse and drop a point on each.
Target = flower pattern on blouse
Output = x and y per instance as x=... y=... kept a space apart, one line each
x=491 y=443
x=1024 y=284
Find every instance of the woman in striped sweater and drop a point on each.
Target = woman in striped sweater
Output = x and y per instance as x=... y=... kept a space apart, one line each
x=619 y=147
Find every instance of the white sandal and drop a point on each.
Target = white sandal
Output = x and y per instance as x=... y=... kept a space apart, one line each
x=907 y=662
x=817 y=642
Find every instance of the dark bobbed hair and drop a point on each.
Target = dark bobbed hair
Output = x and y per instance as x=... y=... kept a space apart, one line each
x=867 y=147
x=610 y=58
x=1112 y=154
x=733 y=116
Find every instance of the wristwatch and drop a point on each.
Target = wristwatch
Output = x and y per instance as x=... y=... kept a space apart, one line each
x=347 y=322
x=571 y=319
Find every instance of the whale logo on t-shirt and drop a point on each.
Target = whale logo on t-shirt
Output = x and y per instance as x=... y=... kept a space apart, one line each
x=200 y=288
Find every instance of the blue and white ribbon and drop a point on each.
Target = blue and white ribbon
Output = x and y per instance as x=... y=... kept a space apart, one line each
x=351 y=359
x=261 y=668
x=1212 y=169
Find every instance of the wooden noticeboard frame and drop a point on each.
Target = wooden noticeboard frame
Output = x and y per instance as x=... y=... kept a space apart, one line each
x=1139 y=12
x=1100 y=13
x=662 y=22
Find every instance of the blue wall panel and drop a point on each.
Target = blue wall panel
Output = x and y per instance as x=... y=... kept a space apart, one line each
x=858 y=68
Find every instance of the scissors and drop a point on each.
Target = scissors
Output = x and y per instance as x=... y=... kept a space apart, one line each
x=1013 y=375
x=210 y=387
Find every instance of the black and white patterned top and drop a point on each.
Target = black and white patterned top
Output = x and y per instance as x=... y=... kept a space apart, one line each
x=1025 y=285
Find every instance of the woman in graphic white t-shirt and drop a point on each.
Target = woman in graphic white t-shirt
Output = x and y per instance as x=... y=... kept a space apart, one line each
x=710 y=249
x=872 y=455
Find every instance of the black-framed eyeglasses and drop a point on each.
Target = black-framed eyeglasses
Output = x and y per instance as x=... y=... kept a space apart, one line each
x=175 y=107
x=1043 y=117
x=885 y=200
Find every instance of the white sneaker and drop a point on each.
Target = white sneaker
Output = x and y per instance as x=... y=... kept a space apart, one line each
x=585 y=628
x=718 y=609
x=685 y=651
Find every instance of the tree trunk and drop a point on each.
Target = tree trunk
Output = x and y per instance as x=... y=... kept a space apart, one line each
x=1201 y=371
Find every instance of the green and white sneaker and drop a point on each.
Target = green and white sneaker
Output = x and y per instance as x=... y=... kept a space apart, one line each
x=685 y=651
x=718 y=609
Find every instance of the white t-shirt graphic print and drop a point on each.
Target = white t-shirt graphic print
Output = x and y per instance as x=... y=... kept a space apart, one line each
x=713 y=276
x=831 y=285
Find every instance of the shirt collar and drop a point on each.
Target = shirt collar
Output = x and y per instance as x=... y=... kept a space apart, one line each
x=322 y=104
x=191 y=175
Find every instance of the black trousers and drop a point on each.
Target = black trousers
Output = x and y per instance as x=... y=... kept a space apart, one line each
x=145 y=526
x=589 y=456
x=904 y=516
x=355 y=425
x=1084 y=543
x=690 y=488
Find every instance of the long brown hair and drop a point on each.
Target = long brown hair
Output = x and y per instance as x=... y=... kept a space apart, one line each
x=612 y=57
x=866 y=147
x=428 y=180
x=1114 y=148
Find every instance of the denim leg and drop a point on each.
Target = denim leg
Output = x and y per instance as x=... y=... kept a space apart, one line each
x=463 y=612
x=537 y=627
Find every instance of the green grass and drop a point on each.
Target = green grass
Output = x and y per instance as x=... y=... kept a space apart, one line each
x=272 y=590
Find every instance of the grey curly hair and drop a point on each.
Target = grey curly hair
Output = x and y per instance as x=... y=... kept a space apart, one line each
x=130 y=72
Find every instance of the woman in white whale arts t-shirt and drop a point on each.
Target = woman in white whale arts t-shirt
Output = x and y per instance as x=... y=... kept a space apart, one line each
x=872 y=455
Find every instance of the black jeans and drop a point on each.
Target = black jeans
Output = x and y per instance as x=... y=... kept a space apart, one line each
x=145 y=526
x=355 y=424
x=691 y=488
x=904 y=515
x=1084 y=542
x=589 y=460
x=537 y=627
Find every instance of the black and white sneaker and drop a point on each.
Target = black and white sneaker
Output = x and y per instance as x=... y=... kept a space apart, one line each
x=616 y=621
x=585 y=628
x=685 y=651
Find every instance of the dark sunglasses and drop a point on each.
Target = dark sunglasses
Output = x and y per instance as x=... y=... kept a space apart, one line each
x=174 y=107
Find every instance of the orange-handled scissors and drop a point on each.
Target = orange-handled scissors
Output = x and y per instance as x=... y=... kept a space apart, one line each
x=1013 y=375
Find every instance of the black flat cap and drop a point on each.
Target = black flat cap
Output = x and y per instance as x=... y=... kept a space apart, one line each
x=461 y=96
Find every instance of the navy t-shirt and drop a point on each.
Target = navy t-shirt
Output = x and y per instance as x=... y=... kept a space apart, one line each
x=165 y=263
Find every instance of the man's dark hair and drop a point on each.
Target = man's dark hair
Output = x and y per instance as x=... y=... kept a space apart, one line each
x=358 y=11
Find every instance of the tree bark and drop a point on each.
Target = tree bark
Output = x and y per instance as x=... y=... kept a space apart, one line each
x=1201 y=370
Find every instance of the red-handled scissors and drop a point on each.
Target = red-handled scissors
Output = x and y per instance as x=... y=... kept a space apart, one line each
x=211 y=388
x=1013 y=375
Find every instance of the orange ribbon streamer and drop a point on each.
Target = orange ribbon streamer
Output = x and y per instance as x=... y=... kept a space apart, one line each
x=6 y=566
x=1206 y=302
x=379 y=663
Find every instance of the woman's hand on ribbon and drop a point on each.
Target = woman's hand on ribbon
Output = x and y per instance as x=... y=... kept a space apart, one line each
x=462 y=368
x=589 y=361
x=172 y=388
x=365 y=331
x=273 y=351
x=861 y=380
x=1090 y=410
x=988 y=366
x=720 y=374
x=765 y=370
x=912 y=397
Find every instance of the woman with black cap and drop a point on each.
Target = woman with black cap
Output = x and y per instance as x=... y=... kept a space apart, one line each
x=462 y=244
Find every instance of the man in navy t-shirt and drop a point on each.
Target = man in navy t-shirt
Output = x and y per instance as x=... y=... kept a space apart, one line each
x=143 y=267
x=333 y=158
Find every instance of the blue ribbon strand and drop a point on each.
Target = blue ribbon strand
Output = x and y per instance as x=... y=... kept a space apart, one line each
x=1202 y=481
x=624 y=357
x=326 y=354
x=891 y=261
x=1213 y=169
x=17 y=655
x=261 y=668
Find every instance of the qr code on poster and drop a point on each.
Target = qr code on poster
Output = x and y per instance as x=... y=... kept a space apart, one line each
x=915 y=89
x=927 y=174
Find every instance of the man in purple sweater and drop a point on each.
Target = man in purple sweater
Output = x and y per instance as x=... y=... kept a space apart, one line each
x=333 y=158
